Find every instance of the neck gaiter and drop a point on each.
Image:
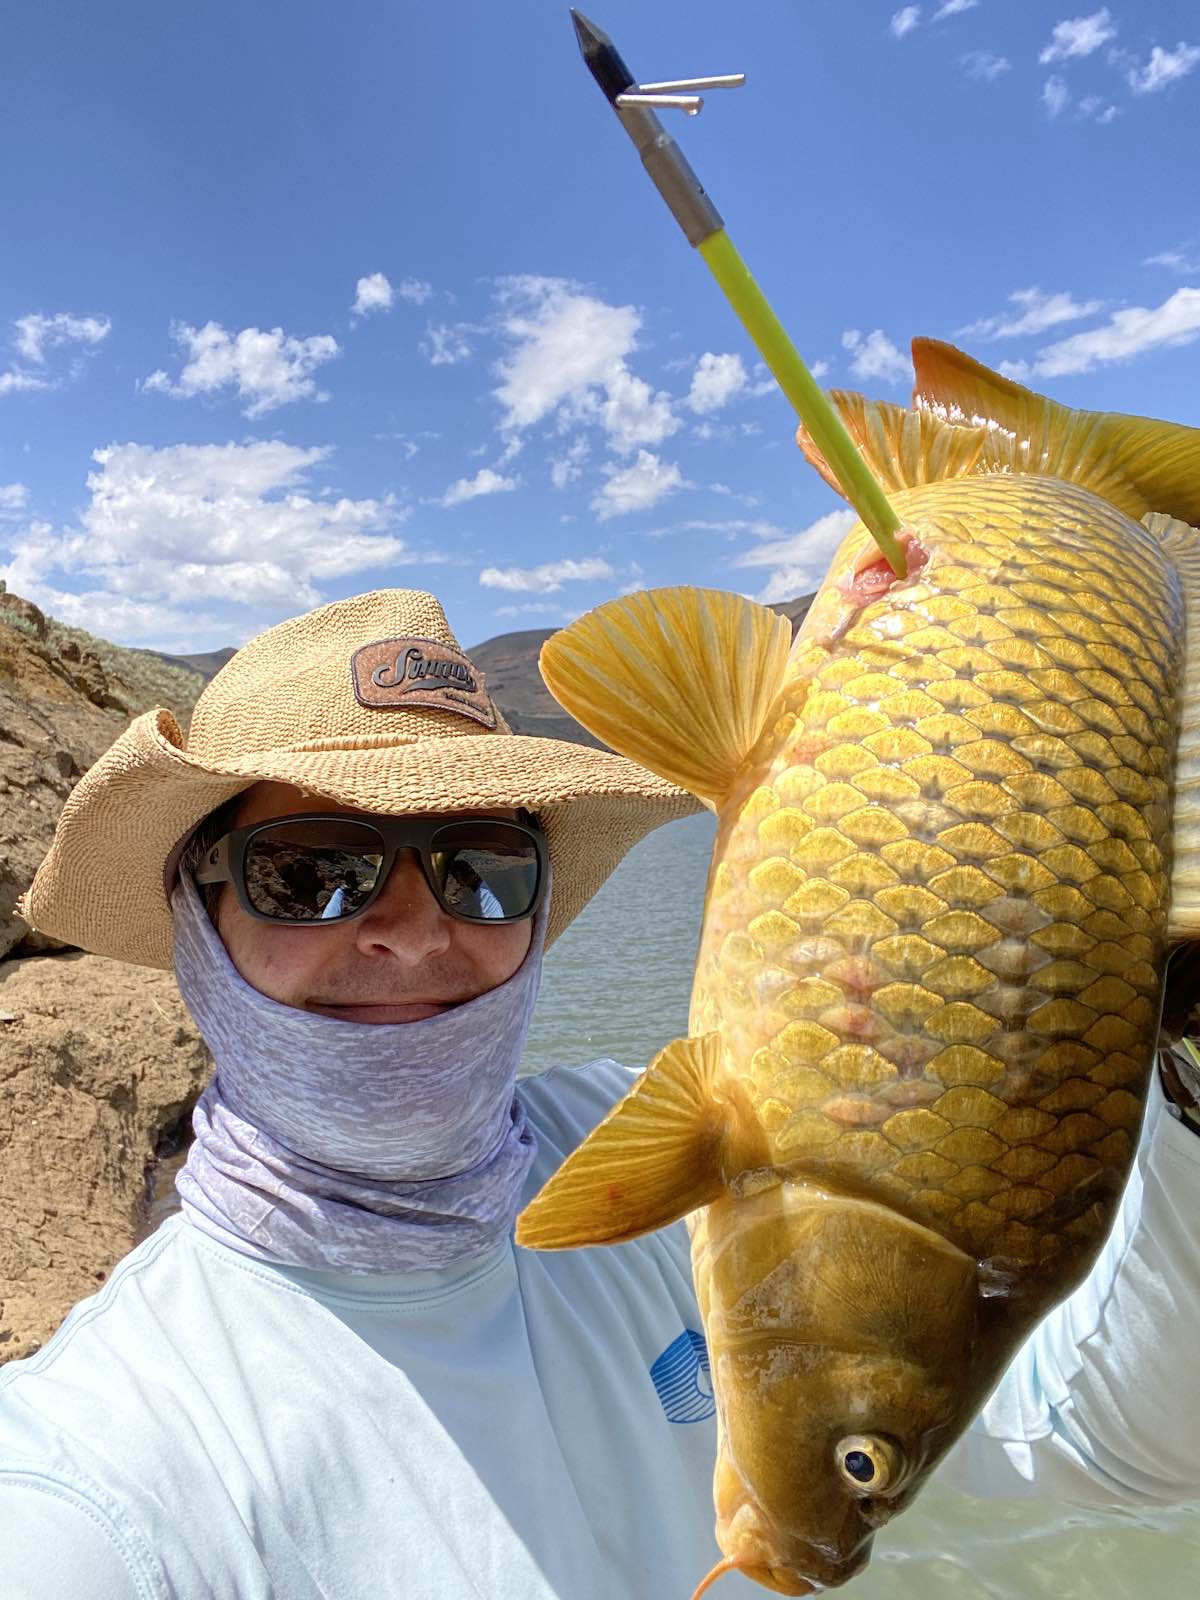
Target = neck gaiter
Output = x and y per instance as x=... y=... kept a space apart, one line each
x=354 y=1146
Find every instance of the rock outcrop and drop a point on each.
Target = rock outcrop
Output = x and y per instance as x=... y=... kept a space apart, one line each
x=100 y=1066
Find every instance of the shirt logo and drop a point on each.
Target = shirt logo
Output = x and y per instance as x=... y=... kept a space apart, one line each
x=683 y=1379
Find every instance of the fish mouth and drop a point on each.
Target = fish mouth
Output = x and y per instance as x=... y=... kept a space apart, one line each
x=779 y=1579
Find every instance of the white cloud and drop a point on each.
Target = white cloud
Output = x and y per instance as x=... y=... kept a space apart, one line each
x=126 y=621
x=1078 y=36
x=983 y=66
x=530 y=608
x=546 y=578
x=730 y=527
x=35 y=333
x=637 y=487
x=715 y=381
x=14 y=497
x=267 y=369
x=875 y=356
x=15 y=382
x=1056 y=97
x=410 y=443
x=801 y=560
x=952 y=8
x=485 y=481
x=569 y=359
x=1036 y=313
x=445 y=345
x=415 y=290
x=1174 y=260
x=633 y=414
x=567 y=343
x=905 y=20
x=1128 y=333
x=1164 y=67
x=235 y=525
x=1092 y=107
x=372 y=293
x=565 y=469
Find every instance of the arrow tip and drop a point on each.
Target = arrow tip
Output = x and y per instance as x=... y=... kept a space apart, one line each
x=603 y=61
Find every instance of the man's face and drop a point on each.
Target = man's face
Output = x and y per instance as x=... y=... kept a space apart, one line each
x=403 y=960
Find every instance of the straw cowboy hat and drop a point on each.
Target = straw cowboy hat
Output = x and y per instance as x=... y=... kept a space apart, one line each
x=369 y=702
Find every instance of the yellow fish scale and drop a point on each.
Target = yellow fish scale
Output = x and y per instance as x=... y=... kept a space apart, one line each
x=936 y=925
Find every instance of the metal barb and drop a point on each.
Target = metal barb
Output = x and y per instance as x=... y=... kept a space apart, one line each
x=691 y=103
x=726 y=80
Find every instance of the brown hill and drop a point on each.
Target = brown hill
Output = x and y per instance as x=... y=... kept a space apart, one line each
x=207 y=664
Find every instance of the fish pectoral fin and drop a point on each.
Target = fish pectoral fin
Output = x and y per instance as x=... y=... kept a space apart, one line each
x=681 y=680
x=654 y=1158
x=1136 y=463
x=1181 y=544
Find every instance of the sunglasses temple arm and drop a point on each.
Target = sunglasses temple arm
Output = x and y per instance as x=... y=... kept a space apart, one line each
x=215 y=867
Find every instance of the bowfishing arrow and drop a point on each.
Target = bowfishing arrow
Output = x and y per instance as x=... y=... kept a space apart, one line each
x=636 y=105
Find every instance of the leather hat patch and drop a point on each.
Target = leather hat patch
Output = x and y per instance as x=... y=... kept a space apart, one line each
x=396 y=673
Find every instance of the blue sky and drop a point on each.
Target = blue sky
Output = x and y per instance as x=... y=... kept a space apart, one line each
x=305 y=299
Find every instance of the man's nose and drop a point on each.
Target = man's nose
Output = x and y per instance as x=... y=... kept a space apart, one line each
x=405 y=920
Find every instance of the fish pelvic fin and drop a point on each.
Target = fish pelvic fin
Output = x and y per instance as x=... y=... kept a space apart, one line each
x=681 y=680
x=655 y=1157
x=1181 y=544
x=1136 y=463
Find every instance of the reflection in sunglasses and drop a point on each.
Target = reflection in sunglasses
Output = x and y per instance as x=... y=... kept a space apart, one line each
x=310 y=879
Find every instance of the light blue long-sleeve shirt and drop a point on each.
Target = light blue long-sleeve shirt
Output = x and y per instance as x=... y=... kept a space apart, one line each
x=540 y=1427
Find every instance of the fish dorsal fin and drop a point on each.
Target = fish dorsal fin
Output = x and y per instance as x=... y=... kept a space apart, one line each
x=655 y=1157
x=680 y=680
x=1181 y=544
x=905 y=448
x=1136 y=463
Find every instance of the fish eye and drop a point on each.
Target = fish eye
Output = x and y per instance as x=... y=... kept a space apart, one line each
x=870 y=1463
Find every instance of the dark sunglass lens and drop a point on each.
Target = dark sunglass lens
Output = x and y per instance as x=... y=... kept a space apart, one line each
x=317 y=871
x=485 y=873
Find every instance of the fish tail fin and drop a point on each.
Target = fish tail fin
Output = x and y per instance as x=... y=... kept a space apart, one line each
x=1137 y=463
x=655 y=1157
x=1181 y=544
x=681 y=680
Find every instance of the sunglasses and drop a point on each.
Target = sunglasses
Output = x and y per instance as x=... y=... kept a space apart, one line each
x=315 y=869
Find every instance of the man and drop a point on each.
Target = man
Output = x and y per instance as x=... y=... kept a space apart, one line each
x=333 y=1375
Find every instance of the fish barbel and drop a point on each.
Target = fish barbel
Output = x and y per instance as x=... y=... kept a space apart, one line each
x=958 y=832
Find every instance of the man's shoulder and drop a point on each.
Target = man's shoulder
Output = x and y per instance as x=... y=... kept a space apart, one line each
x=566 y=1103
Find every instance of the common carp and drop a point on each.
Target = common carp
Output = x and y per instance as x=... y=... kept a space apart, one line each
x=958 y=834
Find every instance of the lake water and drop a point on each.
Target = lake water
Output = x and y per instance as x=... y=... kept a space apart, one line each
x=617 y=984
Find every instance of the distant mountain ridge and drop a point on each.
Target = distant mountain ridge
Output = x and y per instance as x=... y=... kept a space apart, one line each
x=207 y=664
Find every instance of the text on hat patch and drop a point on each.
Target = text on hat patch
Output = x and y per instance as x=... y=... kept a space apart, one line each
x=390 y=673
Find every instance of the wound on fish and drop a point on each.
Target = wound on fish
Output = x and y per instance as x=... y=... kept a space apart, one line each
x=873 y=575
x=870 y=579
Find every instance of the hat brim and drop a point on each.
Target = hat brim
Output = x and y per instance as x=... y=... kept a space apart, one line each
x=102 y=885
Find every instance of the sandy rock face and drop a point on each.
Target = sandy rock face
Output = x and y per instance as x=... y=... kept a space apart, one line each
x=51 y=730
x=100 y=1065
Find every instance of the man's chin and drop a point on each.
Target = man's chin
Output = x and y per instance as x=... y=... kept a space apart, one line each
x=393 y=1012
